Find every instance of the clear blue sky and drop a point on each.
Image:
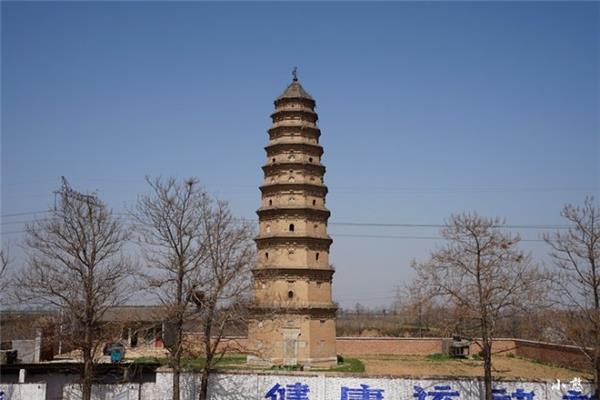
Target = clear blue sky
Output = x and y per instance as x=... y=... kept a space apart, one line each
x=426 y=109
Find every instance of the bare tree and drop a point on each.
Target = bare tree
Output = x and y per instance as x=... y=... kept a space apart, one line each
x=226 y=280
x=418 y=306
x=4 y=261
x=576 y=254
x=169 y=224
x=480 y=271
x=75 y=264
x=200 y=259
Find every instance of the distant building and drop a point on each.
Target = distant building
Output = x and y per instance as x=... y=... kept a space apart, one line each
x=293 y=316
x=39 y=336
x=32 y=334
x=139 y=325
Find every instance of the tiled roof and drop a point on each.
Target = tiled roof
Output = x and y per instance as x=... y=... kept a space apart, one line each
x=295 y=91
x=134 y=314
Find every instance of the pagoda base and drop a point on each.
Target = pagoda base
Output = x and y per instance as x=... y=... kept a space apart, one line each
x=322 y=362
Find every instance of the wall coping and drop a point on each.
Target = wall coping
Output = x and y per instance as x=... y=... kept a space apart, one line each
x=317 y=374
x=386 y=338
x=475 y=339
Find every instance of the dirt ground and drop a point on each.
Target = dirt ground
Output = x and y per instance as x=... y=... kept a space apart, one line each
x=504 y=367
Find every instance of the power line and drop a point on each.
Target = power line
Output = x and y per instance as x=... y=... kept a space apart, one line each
x=29 y=221
x=12 y=233
x=358 y=224
x=406 y=237
x=366 y=294
x=364 y=236
x=333 y=223
x=376 y=224
x=20 y=222
x=23 y=213
x=346 y=300
x=360 y=188
x=407 y=225
x=47 y=212
x=349 y=224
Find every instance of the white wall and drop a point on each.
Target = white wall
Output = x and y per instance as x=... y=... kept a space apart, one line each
x=321 y=387
x=28 y=350
x=255 y=386
x=128 y=391
x=161 y=389
x=23 y=391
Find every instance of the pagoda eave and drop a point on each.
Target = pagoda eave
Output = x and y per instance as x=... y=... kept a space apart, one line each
x=292 y=186
x=286 y=239
x=274 y=212
x=286 y=165
x=276 y=272
x=293 y=99
x=313 y=149
x=295 y=111
x=315 y=311
x=294 y=127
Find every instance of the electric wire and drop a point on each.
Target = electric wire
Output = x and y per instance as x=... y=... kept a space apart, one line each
x=126 y=216
x=333 y=223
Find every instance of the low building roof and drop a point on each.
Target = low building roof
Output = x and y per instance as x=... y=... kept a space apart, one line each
x=153 y=313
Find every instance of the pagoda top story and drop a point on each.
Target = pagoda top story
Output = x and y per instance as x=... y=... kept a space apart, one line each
x=294 y=90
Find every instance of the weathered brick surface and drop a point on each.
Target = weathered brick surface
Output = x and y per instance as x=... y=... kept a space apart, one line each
x=499 y=346
x=568 y=356
x=400 y=346
x=351 y=346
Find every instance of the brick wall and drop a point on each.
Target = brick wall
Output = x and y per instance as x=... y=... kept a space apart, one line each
x=352 y=346
x=568 y=356
x=499 y=346
x=399 y=346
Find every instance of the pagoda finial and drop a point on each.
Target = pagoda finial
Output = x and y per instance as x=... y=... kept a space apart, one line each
x=295 y=74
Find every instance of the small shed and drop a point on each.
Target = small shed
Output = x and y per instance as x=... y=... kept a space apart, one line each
x=456 y=347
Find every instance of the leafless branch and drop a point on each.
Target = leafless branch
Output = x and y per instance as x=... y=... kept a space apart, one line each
x=483 y=274
x=576 y=254
x=75 y=264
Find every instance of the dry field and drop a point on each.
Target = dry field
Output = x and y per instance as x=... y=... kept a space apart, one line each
x=504 y=367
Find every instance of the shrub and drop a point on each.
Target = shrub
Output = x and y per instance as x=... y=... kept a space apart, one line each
x=438 y=357
x=350 y=365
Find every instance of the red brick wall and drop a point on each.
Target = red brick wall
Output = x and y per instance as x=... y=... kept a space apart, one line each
x=387 y=345
x=499 y=346
x=568 y=356
x=351 y=346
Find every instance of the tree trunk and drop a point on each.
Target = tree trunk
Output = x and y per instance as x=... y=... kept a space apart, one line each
x=178 y=345
x=88 y=359
x=176 y=362
x=204 y=382
x=176 y=365
x=88 y=373
x=597 y=372
x=208 y=350
x=487 y=368
x=176 y=375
